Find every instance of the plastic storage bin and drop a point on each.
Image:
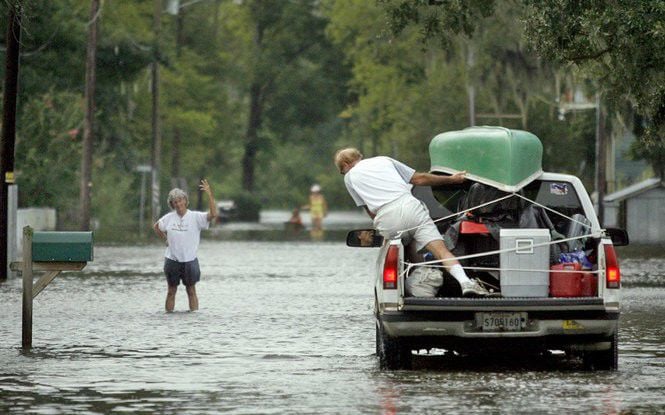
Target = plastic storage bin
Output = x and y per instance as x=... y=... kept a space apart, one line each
x=525 y=269
x=572 y=284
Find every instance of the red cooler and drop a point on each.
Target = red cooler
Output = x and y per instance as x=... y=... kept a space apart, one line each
x=564 y=283
x=589 y=284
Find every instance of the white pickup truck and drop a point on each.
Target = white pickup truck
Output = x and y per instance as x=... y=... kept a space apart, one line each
x=582 y=325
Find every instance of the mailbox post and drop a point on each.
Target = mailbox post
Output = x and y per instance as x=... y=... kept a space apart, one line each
x=26 y=331
x=51 y=252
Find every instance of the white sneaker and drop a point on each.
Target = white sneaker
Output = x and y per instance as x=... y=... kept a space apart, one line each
x=471 y=288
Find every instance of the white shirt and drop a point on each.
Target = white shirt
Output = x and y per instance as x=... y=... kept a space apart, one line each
x=377 y=181
x=183 y=234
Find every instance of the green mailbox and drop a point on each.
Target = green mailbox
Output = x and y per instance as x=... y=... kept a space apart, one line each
x=62 y=246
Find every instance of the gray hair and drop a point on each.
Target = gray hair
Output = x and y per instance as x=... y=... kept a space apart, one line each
x=177 y=194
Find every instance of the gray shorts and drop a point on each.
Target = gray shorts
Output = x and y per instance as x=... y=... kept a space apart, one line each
x=188 y=272
x=404 y=213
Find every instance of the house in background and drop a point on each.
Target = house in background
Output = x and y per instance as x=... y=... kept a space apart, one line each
x=640 y=210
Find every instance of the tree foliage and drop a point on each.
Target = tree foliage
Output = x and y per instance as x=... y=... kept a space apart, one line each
x=282 y=57
x=215 y=56
x=618 y=44
x=49 y=150
x=257 y=95
x=438 y=19
x=408 y=90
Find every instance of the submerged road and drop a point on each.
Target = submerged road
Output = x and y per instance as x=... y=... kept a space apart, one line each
x=285 y=327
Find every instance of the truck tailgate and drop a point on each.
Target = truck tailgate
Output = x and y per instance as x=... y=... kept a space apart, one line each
x=497 y=304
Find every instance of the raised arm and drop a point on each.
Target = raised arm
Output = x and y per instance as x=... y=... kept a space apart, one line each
x=429 y=179
x=212 y=207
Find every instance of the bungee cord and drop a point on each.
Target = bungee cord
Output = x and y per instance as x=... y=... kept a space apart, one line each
x=498 y=251
x=410 y=265
x=564 y=271
x=452 y=215
x=586 y=225
x=398 y=234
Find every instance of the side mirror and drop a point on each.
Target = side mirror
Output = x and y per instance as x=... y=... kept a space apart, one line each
x=619 y=236
x=364 y=238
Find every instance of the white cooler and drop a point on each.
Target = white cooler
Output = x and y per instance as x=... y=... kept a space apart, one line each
x=535 y=260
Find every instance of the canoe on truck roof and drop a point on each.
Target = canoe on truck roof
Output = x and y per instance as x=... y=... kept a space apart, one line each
x=499 y=157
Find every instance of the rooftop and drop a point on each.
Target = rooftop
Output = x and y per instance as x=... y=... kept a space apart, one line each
x=634 y=189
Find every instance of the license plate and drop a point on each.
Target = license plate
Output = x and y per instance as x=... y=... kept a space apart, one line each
x=501 y=321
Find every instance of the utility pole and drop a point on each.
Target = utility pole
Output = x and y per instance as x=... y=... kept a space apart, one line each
x=601 y=159
x=471 y=91
x=601 y=148
x=13 y=40
x=89 y=121
x=143 y=169
x=156 y=126
x=176 y=180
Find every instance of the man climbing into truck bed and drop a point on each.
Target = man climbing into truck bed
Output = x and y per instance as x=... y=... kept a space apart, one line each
x=382 y=186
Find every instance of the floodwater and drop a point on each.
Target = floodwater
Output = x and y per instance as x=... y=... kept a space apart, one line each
x=284 y=327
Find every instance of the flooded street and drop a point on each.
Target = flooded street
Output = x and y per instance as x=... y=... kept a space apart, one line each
x=284 y=327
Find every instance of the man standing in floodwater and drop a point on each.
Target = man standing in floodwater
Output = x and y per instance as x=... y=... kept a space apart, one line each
x=181 y=230
x=382 y=186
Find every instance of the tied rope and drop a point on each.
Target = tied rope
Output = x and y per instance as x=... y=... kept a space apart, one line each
x=438 y=263
x=398 y=234
x=435 y=262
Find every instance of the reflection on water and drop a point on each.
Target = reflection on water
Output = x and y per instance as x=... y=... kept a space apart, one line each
x=283 y=327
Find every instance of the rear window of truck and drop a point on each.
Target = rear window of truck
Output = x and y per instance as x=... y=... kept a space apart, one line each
x=559 y=196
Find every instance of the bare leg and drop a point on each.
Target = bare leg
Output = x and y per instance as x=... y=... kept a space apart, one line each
x=469 y=287
x=317 y=230
x=439 y=250
x=193 y=299
x=170 y=298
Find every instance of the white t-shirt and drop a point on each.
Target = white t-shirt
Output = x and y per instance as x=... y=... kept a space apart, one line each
x=377 y=181
x=183 y=234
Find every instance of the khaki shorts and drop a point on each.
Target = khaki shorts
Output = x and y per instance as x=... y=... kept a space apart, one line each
x=405 y=213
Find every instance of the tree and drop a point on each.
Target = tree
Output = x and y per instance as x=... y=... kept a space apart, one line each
x=618 y=44
x=397 y=89
x=49 y=111
x=284 y=38
x=49 y=137
x=47 y=119
x=438 y=20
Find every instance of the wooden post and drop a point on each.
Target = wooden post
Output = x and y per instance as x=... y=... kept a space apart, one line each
x=43 y=282
x=89 y=120
x=471 y=90
x=156 y=122
x=30 y=290
x=27 y=288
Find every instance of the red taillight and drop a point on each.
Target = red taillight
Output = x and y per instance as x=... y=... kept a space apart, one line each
x=390 y=268
x=612 y=272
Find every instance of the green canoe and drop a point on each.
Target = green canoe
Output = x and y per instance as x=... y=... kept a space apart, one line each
x=496 y=156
